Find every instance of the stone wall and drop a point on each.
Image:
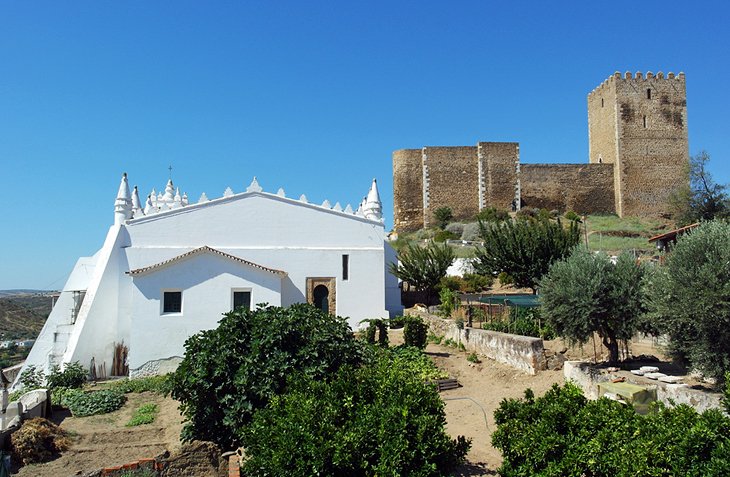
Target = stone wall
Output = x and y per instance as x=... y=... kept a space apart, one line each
x=407 y=190
x=583 y=188
x=451 y=179
x=498 y=162
x=521 y=352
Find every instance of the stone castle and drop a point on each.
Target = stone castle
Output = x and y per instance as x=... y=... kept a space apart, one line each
x=638 y=155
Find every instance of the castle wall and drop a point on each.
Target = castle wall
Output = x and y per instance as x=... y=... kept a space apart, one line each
x=407 y=190
x=451 y=179
x=498 y=165
x=653 y=144
x=582 y=188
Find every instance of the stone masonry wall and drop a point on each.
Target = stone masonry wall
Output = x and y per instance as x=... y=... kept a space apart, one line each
x=582 y=188
x=407 y=190
x=451 y=180
x=653 y=144
x=498 y=163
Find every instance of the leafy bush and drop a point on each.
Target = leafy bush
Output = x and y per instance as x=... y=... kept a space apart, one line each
x=450 y=343
x=443 y=216
x=416 y=362
x=415 y=332
x=471 y=232
x=156 y=384
x=455 y=228
x=38 y=440
x=377 y=326
x=505 y=278
x=476 y=283
x=72 y=376
x=564 y=434
x=246 y=360
x=473 y=358
x=60 y=394
x=423 y=267
x=570 y=215
x=449 y=302
x=688 y=299
x=32 y=378
x=492 y=214
x=432 y=338
x=145 y=414
x=376 y=420
x=444 y=235
x=451 y=282
x=396 y=322
x=83 y=404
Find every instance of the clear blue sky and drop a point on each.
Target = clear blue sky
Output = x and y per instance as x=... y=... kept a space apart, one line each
x=306 y=95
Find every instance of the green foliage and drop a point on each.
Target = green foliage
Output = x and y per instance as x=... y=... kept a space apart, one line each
x=94 y=402
x=245 y=361
x=415 y=361
x=396 y=322
x=505 y=278
x=444 y=235
x=423 y=267
x=72 y=376
x=570 y=215
x=455 y=228
x=476 y=283
x=432 y=338
x=473 y=358
x=564 y=434
x=687 y=299
x=449 y=302
x=415 y=332
x=379 y=326
x=377 y=420
x=524 y=249
x=156 y=384
x=461 y=346
x=443 y=216
x=451 y=282
x=145 y=414
x=32 y=378
x=702 y=198
x=492 y=214
x=521 y=321
x=450 y=343
x=587 y=293
x=60 y=394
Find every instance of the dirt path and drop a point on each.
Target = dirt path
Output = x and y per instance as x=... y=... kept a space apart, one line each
x=103 y=441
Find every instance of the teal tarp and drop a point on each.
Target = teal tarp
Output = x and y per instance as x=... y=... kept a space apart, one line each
x=523 y=301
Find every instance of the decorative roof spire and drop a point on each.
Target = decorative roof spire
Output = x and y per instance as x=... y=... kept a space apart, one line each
x=136 y=205
x=373 y=208
x=254 y=186
x=149 y=208
x=123 y=204
x=169 y=192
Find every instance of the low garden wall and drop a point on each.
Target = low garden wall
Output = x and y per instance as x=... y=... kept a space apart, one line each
x=588 y=377
x=521 y=352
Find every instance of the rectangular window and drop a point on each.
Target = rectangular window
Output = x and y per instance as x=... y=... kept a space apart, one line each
x=172 y=302
x=242 y=299
x=345 y=267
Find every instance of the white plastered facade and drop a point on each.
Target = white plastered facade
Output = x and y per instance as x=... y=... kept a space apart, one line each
x=265 y=244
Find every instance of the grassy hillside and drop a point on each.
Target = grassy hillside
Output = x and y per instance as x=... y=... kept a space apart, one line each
x=22 y=315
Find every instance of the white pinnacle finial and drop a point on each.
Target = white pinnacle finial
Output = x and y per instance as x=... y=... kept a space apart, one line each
x=149 y=208
x=254 y=186
x=228 y=192
x=373 y=208
x=123 y=204
x=136 y=205
x=169 y=192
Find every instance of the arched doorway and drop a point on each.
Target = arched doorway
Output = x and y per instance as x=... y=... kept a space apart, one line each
x=321 y=297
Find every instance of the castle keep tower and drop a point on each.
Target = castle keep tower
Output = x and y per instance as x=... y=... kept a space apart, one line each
x=638 y=123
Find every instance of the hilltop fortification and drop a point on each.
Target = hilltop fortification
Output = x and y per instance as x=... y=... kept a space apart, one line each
x=638 y=155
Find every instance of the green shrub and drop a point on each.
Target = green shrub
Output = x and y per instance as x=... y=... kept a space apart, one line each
x=415 y=361
x=570 y=215
x=564 y=434
x=449 y=302
x=444 y=235
x=72 y=376
x=244 y=362
x=379 y=326
x=432 y=338
x=94 y=402
x=450 y=282
x=461 y=346
x=455 y=228
x=443 y=216
x=505 y=278
x=396 y=322
x=60 y=394
x=476 y=283
x=32 y=378
x=492 y=214
x=145 y=414
x=415 y=332
x=473 y=358
x=156 y=384
x=378 y=420
x=450 y=343
x=522 y=321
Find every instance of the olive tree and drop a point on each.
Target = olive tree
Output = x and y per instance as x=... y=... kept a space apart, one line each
x=688 y=299
x=588 y=293
x=423 y=267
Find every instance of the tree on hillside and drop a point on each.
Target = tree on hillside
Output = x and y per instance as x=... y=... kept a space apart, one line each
x=702 y=198
x=423 y=267
x=587 y=293
x=523 y=249
x=688 y=299
x=229 y=373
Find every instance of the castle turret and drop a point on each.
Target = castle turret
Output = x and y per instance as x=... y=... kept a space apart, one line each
x=123 y=204
x=373 y=208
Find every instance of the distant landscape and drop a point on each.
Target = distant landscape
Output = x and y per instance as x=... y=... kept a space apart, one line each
x=23 y=313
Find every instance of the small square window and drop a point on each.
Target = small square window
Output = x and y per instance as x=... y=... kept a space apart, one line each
x=242 y=299
x=172 y=302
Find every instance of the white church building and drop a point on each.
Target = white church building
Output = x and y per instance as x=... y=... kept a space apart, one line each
x=169 y=269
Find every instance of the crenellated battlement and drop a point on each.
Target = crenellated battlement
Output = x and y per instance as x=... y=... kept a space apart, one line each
x=637 y=76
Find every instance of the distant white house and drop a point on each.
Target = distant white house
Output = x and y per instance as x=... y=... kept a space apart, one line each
x=170 y=269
